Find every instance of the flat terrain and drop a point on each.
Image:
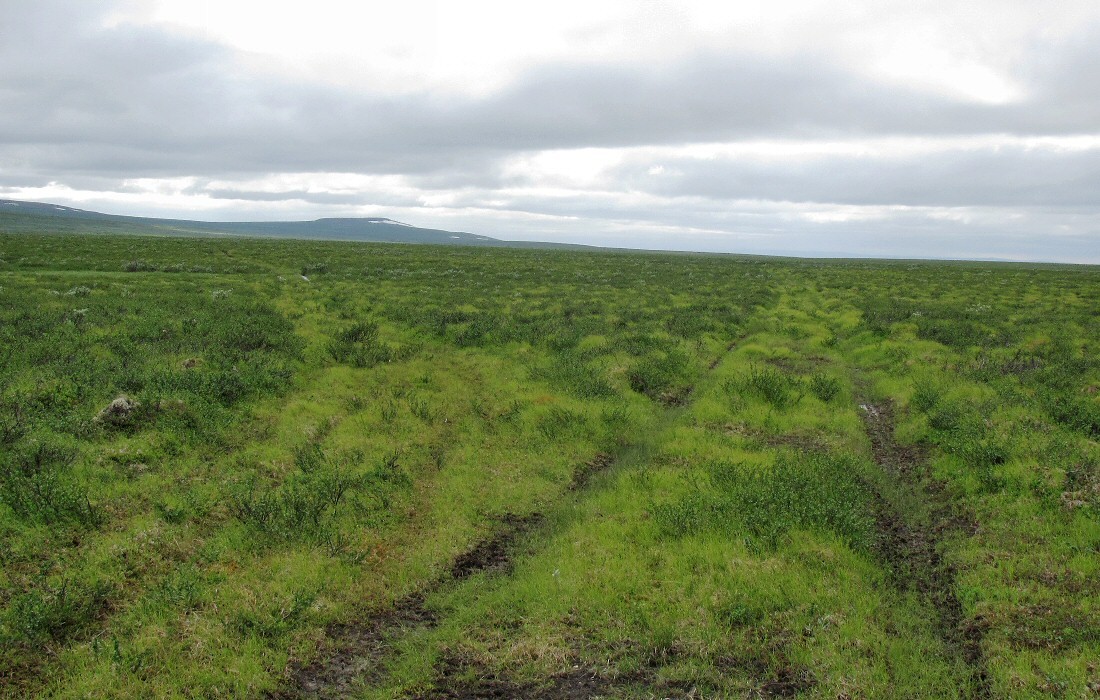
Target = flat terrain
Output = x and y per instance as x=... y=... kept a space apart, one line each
x=281 y=469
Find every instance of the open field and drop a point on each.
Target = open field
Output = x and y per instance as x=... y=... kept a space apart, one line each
x=385 y=471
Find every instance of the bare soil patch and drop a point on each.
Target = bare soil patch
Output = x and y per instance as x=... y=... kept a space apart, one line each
x=357 y=650
x=458 y=679
x=912 y=549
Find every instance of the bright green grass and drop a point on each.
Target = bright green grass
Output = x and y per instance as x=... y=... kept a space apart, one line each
x=308 y=452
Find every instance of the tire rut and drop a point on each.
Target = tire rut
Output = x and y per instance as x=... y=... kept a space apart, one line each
x=912 y=550
x=357 y=651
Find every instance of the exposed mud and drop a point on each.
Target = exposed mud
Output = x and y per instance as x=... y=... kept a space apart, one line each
x=912 y=550
x=798 y=365
x=495 y=552
x=788 y=683
x=356 y=652
x=577 y=685
x=676 y=397
x=801 y=441
x=581 y=476
x=457 y=679
x=766 y=662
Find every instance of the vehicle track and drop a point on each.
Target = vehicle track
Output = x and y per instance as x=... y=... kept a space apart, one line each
x=912 y=548
x=357 y=651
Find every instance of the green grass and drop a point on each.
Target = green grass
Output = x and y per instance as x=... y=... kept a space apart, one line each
x=286 y=455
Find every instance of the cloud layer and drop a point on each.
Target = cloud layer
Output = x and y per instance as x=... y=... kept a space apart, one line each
x=798 y=148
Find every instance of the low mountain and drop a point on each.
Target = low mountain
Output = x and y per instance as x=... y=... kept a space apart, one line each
x=20 y=216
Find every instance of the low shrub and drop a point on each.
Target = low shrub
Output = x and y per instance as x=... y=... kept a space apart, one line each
x=360 y=346
x=53 y=611
x=804 y=491
x=36 y=483
x=658 y=374
x=306 y=504
x=571 y=372
x=925 y=397
x=772 y=385
x=824 y=387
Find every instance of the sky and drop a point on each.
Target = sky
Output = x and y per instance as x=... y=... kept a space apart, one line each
x=932 y=129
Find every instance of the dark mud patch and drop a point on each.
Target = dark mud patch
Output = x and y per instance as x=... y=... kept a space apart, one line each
x=676 y=397
x=800 y=441
x=458 y=679
x=798 y=365
x=571 y=686
x=911 y=548
x=356 y=652
x=583 y=474
x=908 y=462
x=787 y=683
x=495 y=552
x=768 y=665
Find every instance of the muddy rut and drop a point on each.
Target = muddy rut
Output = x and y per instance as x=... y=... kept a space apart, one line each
x=357 y=652
x=911 y=549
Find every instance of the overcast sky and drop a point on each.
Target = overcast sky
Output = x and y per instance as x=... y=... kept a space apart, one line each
x=902 y=129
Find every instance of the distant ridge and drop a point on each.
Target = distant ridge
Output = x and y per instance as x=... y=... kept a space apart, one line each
x=29 y=217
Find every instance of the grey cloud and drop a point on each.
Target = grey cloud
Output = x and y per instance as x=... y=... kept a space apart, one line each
x=90 y=106
x=1010 y=176
x=317 y=198
x=143 y=101
x=770 y=227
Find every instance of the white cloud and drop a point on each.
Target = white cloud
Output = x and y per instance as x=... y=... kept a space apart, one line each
x=787 y=126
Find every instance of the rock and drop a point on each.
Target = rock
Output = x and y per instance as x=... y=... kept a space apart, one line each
x=118 y=412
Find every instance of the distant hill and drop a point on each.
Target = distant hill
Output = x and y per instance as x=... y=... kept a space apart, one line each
x=29 y=217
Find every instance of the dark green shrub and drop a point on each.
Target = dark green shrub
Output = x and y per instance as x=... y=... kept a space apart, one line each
x=658 y=374
x=805 y=491
x=955 y=333
x=983 y=456
x=571 y=372
x=422 y=408
x=825 y=388
x=54 y=611
x=309 y=457
x=559 y=421
x=925 y=397
x=947 y=417
x=183 y=590
x=36 y=483
x=1075 y=412
x=880 y=314
x=317 y=268
x=305 y=506
x=360 y=346
x=773 y=386
x=275 y=620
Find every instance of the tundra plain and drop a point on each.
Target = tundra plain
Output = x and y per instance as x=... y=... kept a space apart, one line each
x=274 y=468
